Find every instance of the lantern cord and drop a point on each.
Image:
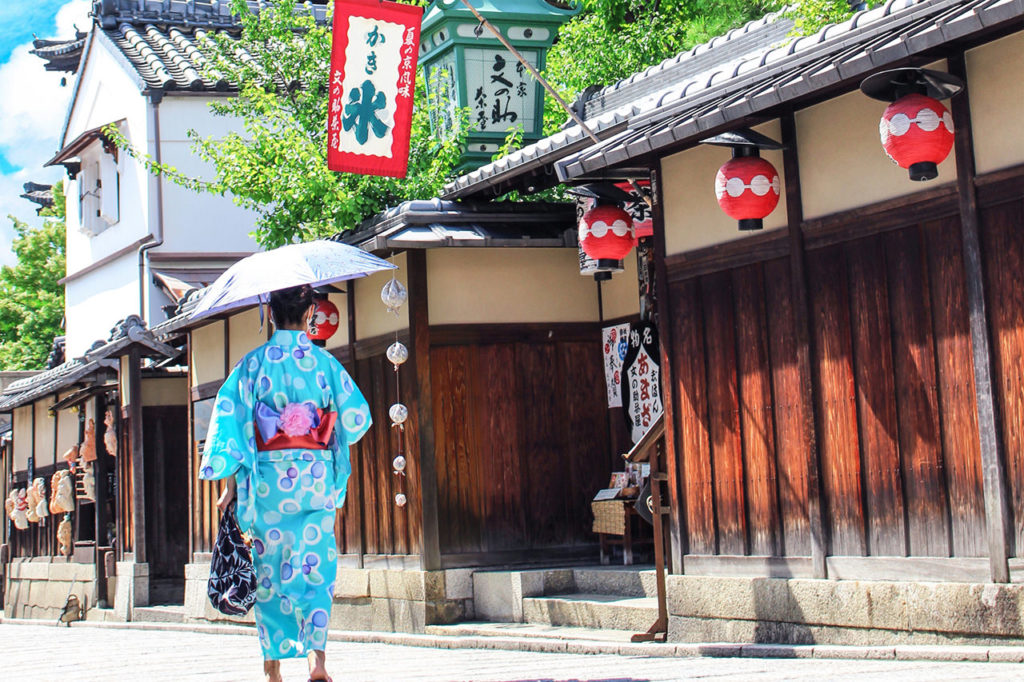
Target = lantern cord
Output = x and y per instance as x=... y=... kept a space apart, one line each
x=547 y=86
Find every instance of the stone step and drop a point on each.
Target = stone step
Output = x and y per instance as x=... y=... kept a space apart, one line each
x=159 y=613
x=97 y=614
x=529 y=631
x=625 y=581
x=595 y=611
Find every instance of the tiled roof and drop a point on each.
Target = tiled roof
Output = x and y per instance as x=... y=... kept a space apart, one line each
x=102 y=355
x=893 y=34
x=60 y=55
x=436 y=223
x=39 y=194
x=608 y=110
x=726 y=91
x=163 y=39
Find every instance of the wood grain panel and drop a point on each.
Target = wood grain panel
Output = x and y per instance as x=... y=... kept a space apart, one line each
x=399 y=515
x=413 y=510
x=924 y=476
x=876 y=398
x=453 y=443
x=1003 y=246
x=789 y=410
x=957 y=402
x=368 y=455
x=542 y=438
x=590 y=459
x=836 y=401
x=723 y=413
x=382 y=458
x=690 y=389
x=504 y=496
x=756 y=416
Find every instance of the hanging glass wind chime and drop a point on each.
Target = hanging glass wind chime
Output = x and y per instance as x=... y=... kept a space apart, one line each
x=394 y=296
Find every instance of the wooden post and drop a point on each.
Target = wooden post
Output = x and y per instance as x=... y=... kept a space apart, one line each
x=663 y=308
x=101 y=469
x=801 y=310
x=138 y=520
x=993 y=475
x=419 y=333
x=350 y=302
x=193 y=502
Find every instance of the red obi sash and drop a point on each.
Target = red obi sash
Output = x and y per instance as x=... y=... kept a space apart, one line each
x=318 y=437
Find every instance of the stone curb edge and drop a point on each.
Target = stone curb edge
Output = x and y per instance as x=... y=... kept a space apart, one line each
x=991 y=654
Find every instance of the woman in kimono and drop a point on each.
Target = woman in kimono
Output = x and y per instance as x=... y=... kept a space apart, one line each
x=280 y=432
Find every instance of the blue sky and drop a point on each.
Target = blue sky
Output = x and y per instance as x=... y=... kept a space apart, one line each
x=33 y=104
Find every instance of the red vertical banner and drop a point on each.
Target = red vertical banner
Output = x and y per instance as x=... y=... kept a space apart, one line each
x=372 y=84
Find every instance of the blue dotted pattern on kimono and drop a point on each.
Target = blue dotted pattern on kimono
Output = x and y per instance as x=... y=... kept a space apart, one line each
x=287 y=498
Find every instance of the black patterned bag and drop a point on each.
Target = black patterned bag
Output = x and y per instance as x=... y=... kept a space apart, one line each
x=232 y=585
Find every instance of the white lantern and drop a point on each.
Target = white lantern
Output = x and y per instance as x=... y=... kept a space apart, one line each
x=397 y=353
x=398 y=413
x=393 y=295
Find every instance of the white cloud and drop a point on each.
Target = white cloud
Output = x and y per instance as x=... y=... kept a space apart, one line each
x=32 y=112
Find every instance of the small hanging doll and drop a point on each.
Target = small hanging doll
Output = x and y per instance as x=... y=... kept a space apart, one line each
x=19 y=508
x=110 y=435
x=37 y=501
x=64 y=535
x=62 y=497
x=88 y=448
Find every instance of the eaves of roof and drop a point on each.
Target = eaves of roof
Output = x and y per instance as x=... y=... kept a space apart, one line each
x=899 y=32
x=75 y=147
x=436 y=223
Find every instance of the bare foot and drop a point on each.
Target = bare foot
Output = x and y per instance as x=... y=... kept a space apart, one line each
x=317 y=668
x=272 y=671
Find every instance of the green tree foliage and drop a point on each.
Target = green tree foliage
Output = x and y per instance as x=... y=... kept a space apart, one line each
x=31 y=300
x=613 y=39
x=276 y=164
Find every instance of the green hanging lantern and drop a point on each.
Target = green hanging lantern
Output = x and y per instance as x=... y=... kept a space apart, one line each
x=472 y=69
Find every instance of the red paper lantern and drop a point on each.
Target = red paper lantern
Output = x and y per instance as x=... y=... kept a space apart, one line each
x=324 y=321
x=606 y=233
x=748 y=189
x=917 y=134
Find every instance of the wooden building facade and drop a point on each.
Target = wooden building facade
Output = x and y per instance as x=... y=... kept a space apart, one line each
x=504 y=388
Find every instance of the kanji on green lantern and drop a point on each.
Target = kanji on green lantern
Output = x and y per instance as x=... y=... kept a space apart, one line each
x=472 y=69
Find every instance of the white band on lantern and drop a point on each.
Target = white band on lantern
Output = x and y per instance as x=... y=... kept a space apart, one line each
x=926 y=119
x=620 y=228
x=759 y=185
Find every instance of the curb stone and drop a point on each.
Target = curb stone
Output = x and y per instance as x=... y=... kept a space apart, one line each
x=1002 y=654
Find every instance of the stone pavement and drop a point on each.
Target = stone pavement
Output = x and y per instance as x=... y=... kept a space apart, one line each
x=83 y=652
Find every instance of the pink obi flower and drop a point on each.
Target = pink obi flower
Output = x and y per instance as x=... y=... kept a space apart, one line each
x=296 y=419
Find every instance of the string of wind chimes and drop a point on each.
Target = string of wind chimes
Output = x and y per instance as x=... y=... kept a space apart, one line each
x=394 y=296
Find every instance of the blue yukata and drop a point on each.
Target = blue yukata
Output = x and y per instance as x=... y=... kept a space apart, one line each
x=287 y=392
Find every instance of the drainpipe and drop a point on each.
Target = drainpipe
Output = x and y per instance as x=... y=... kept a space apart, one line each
x=155 y=97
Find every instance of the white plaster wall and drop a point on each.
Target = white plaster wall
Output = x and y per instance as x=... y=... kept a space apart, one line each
x=507 y=285
x=164 y=391
x=244 y=333
x=107 y=93
x=67 y=431
x=193 y=221
x=620 y=297
x=842 y=162
x=693 y=218
x=995 y=73
x=207 y=344
x=96 y=301
x=45 y=440
x=22 y=433
x=372 y=318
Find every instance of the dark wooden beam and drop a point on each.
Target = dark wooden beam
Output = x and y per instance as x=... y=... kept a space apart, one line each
x=138 y=519
x=993 y=475
x=350 y=302
x=663 y=309
x=190 y=463
x=419 y=323
x=101 y=469
x=801 y=308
